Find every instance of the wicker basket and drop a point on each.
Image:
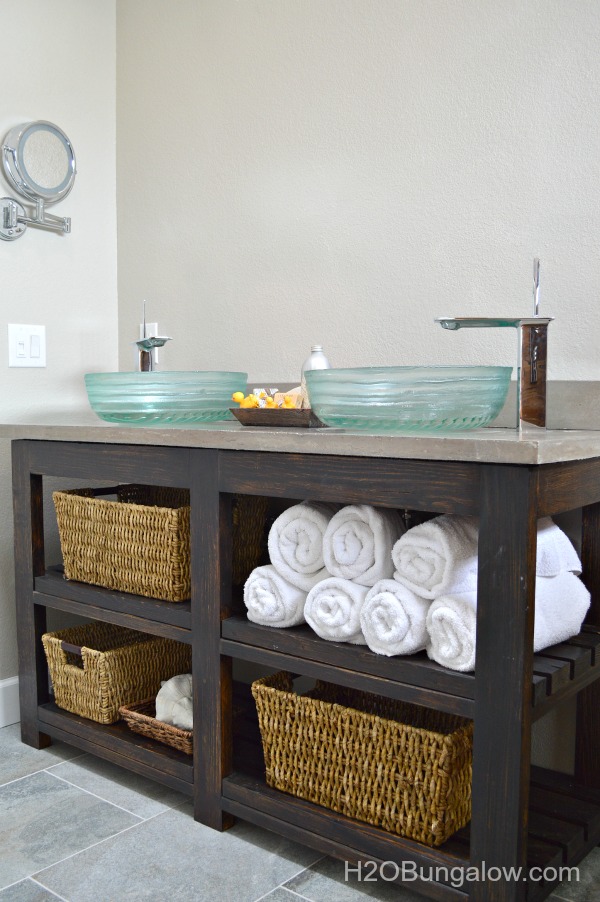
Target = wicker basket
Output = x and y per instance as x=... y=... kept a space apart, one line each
x=391 y=764
x=140 y=543
x=98 y=667
x=141 y=718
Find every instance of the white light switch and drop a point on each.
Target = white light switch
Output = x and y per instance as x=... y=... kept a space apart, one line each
x=26 y=345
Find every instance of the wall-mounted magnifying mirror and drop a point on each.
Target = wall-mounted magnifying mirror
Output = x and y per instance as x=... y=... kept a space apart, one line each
x=39 y=163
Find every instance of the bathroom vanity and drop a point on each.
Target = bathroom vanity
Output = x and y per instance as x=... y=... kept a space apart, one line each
x=521 y=816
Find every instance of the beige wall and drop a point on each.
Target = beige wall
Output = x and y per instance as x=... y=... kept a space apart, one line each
x=342 y=171
x=58 y=63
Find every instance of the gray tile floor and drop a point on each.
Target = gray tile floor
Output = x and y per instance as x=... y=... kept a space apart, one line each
x=76 y=828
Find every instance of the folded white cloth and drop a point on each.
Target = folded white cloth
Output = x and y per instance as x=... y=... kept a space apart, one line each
x=296 y=543
x=393 y=619
x=333 y=608
x=174 y=702
x=555 y=552
x=358 y=543
x=438 y=555
x=271 y=600
x=561 y=603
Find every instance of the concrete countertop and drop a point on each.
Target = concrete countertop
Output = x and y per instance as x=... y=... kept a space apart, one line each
x=488 y=445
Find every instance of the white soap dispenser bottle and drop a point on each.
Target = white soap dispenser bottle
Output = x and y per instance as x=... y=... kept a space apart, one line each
x=316 y=360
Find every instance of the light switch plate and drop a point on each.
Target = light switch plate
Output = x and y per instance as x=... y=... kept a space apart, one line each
x=26 y=345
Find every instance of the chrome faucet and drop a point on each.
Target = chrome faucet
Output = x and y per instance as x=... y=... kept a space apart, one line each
x=532 y=354
x=147 y=343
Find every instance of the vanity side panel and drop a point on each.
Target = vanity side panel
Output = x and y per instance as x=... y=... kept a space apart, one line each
x=31 y=618
x=504 y=671
x=587 y=744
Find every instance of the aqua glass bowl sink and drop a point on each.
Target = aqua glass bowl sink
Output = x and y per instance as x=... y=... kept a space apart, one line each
x=408 y=398
x=163 y=398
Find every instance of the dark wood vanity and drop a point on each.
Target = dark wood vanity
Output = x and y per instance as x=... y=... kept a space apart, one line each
x=521 y=816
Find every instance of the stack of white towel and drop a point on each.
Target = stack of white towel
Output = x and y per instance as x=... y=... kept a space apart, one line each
x=323 y=562
x=356 y=575
x=561 y=601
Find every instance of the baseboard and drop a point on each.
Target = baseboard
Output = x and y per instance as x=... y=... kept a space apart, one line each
x=9 y=701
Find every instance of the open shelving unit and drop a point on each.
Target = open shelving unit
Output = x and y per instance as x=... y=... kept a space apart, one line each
x=522 y=817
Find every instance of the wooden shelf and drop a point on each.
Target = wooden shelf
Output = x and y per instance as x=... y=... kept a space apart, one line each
x=564 y=825
x=558 y=672
x=117 y=743
x=149 y=615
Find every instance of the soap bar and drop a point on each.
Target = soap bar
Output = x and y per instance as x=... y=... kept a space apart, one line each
x=293 y=393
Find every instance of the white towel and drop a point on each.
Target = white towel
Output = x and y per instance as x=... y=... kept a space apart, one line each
x=434 y=556
x=393 y=619
x=358 y=543
x=555 y=553
x=440 y=556
x=271 y=600
x=333 y=608
x=296 y=543
x=561 y=603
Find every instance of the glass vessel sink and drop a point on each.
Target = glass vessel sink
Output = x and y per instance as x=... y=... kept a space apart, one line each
x=408 y=398
x=163 y=398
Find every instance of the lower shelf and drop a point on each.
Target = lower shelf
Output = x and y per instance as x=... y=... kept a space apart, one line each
x=564 y=825
x=117 y=743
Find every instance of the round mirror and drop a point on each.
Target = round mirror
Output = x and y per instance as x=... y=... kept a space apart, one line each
x=39 y=161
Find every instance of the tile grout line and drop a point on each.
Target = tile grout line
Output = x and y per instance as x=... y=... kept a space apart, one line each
x=42 y=770
x=98 y=843
x=101 y=799
x=47 y=889
x=279 y=886
x=292 y=877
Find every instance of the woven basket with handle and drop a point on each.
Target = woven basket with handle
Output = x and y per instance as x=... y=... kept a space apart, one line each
x=97 y=667
x=140 y=543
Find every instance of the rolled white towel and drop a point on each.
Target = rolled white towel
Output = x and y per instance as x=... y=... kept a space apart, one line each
x=393 y=619
x=561 y=603
x=296 y=543
x=555 y=552
x=271 y=600
x=358 y=543
x=438 y=555
x=174 y=702
x=452 y=628
x=333 y=608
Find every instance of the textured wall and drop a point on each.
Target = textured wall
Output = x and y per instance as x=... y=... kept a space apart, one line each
x=297 y=171
x=58 y=61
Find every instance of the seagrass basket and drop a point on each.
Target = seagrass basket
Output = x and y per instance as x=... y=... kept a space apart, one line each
x=141 y=718
x=140 y=543
x=97 y=667
x=391 y=764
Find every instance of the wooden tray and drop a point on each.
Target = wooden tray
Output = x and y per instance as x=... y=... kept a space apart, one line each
x=265 y=416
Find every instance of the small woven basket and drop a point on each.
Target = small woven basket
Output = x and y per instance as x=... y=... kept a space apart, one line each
x=97 y=667
x=141 y=718
x=391 y=764
x=140 y=543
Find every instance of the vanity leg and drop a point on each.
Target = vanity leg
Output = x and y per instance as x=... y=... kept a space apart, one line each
x=587 y=758
x=504 y=664
x=31 y=618
x=211 y=549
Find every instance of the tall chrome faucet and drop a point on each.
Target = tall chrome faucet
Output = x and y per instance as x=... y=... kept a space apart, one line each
x=532 y=354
